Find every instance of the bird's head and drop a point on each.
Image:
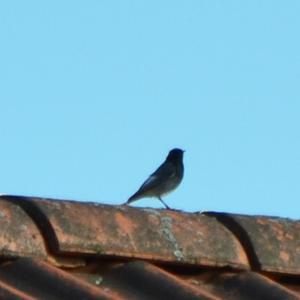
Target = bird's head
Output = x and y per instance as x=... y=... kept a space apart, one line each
x=175 y=154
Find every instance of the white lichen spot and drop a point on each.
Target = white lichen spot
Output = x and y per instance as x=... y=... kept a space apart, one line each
x=151 y=211
x=23 y=227
x=179 y=255
x=167 y=233
x=98 y=280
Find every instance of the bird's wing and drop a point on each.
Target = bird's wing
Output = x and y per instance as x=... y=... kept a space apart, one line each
x=164 y=172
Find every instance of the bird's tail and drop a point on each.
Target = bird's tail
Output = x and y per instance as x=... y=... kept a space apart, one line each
x=133 y=198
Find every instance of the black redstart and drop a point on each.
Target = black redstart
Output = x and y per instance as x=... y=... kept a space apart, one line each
x=164 y=180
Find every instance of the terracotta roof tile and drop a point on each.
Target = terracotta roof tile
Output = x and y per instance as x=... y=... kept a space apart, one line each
x=142 y=233
x=245 y=285
x=39 y=280
x=142 y=280
x=19 y=234
x=276 y=242
x=271 y=244
x=70 y=250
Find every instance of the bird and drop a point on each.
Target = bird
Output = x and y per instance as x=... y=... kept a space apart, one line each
x=164 y=180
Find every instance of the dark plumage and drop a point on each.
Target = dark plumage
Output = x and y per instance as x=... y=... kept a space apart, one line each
x=164 y=180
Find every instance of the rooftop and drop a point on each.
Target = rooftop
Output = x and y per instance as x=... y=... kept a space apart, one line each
x=52 y=249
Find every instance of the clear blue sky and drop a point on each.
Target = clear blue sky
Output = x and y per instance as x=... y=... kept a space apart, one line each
x=95 y=93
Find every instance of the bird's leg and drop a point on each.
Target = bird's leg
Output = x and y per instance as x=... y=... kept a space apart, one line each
x=161 y=200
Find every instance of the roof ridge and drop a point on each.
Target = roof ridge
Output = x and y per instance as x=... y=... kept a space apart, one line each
x=62 y=229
